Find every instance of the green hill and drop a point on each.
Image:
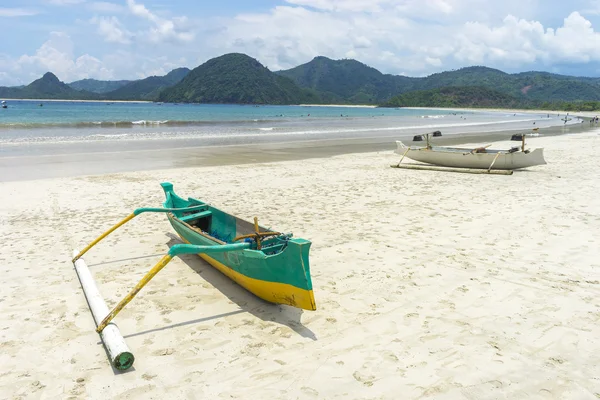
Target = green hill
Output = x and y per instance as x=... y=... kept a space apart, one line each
x=47 y=87
x=239 y=79
x=176 y=75
x=458 y=96
x=347 y=81
x=540 y=86
x=482 y=97
x=350 y=81
x=148 y=88
x=97 y=86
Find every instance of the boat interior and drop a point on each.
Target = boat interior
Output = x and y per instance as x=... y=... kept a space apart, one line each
x=225 y=228
x=463 y=150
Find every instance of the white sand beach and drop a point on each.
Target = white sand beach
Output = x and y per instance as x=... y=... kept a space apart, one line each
x=428 y=284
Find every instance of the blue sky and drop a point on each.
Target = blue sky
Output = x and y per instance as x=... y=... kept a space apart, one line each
x=130 y=39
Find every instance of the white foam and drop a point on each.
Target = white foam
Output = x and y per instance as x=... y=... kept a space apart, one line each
x=433 y=116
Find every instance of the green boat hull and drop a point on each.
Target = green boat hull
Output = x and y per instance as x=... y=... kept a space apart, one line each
x=278 y=272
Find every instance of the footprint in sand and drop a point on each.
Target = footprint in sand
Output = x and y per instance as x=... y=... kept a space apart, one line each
x=309 y=391
x=366 y=380
x=163 y=352
x=148 y=377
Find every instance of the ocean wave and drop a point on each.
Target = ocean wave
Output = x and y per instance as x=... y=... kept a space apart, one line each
x=128 y=124
x=432 y=116
x=249 y=133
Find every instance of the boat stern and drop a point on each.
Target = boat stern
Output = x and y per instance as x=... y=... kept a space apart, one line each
x=400 y=147
x=298 y=292
x=537 y=157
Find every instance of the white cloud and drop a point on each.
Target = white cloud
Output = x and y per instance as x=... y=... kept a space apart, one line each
x=56 y=55
x=411 y=36
x=525 y=42
x=162 y=29
x=16 y=12
x=111 y=29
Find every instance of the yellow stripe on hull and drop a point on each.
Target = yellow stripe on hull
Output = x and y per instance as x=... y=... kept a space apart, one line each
x=274 y=292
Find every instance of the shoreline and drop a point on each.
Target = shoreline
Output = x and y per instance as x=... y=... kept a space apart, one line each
x=34 y=167
x=83 y=101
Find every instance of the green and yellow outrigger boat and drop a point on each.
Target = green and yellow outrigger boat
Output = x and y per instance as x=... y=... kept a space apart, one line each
x=272 y=265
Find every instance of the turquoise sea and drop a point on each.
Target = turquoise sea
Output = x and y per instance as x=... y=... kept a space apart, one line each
x=51 y=127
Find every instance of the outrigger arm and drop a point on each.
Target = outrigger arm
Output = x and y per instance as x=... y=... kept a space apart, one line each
x=175 y=250
x=129 y=218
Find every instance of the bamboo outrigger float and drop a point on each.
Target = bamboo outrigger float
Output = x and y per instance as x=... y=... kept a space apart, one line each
x=272 y=265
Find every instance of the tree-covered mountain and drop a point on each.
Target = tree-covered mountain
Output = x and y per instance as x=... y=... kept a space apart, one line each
x=47 y=87
x=540 y=86
x=137 y=88
x=482 y=97
x=148 y=88
x=348 y=81
x=97 y=86
x=458 y=96
x=239 y=79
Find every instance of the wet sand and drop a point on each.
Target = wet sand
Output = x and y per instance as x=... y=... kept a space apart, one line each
x=93 y=163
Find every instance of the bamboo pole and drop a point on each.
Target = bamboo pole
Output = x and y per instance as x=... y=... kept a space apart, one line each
x=155 y=270
x=493 y=162
x=105 y=234
x=128 y=218
x=402 y=158
x=120 y=356
x=176 y=250
x=449 y=169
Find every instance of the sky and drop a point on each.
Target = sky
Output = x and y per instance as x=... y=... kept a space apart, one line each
x=132 y=39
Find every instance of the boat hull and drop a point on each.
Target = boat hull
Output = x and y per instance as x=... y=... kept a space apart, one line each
x=464 y=158
x=280 y=278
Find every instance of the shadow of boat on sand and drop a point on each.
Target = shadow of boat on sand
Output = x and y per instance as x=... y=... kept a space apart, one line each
x=248 y=302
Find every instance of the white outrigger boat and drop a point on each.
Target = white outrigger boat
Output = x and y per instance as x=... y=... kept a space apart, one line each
x=478 y=158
